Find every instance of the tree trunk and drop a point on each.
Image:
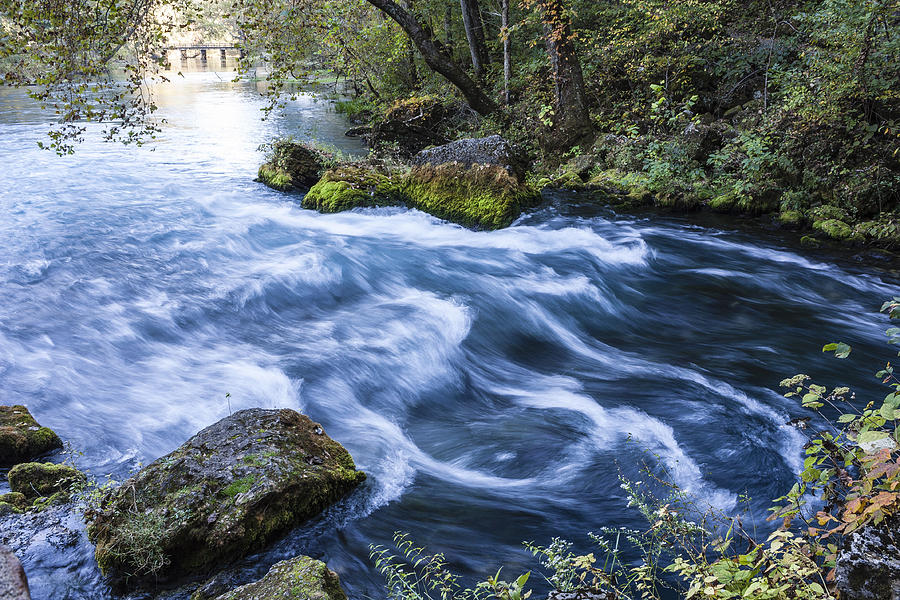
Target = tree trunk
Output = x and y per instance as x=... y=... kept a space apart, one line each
x=474 y=26
x=437 y=60
x=507 y=60
x=572 y=120
x=412 y=75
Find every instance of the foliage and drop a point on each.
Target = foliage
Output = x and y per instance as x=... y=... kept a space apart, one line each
x=62 y=50
x=412 y=574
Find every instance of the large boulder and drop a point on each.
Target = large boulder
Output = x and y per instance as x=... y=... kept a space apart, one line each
x=292 y=166
x=301 y=578
x=21 y=438
x=868 y=565
x=491 y=151
x=226 y=492
x=13 y=583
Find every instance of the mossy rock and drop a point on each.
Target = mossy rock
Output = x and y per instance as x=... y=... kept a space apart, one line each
x=301 y=578
x=275 y=178
x=223 y=494
x=13 y=502
x=833 y=228
x=291 y=166
x=808 y=241
x=16 y=499
x=350 y=187
x=35 y=480
x=481 y=196
x=21 y=438
x=570 y=180
x=790 y=218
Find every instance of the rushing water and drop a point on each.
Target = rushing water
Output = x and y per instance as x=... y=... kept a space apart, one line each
x=492 y=384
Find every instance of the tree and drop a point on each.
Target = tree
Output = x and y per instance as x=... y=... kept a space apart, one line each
x=572 y=119
x=472 y=22
x=436 y=57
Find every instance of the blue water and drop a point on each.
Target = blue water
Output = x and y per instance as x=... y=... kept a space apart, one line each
x=493 y=384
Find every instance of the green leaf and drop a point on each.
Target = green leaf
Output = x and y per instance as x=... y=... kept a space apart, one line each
x=846 y=418
x=840 y=349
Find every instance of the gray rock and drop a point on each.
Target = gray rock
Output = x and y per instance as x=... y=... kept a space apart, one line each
x=13 y=583
x=225 y=493
x=492 y=151
x=300 y=578
x=868 y=565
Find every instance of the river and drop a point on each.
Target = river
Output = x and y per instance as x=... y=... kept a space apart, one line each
x=493 y=384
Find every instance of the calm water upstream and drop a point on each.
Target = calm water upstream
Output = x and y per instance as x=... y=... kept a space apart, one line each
x=487 y=381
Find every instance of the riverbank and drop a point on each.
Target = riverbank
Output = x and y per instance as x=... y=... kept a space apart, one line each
x=683 y=169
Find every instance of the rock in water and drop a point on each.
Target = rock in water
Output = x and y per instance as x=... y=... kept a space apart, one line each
x=491 y=151
x=292 y=166
x=868 y=565
x=21 y=438
x=34 y=480
x=225 y=493
x=13 y=583
x=301 y=578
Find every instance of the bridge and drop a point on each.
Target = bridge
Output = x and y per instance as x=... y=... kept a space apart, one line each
x=201 y=50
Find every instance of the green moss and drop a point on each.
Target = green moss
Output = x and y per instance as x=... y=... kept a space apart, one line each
x=252 y=459
x=834 y=229
x=790 y=218
x=274 y=177
x=724 y=202
x=677 y=200
x=808 y=241
x=240 y=486
x=569 y=180
x=7 y=508
x=350 y=187
x=43 y=479
x=300 y=578
x=16 y=499
x=481 y=196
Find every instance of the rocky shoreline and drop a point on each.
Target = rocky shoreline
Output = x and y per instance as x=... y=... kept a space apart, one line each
x=230 y=490
x=485 y=183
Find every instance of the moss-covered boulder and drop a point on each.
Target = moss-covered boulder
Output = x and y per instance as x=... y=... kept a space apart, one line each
x=36 y=480
x=301 y=578
x=487 y=197
x=791 y=219
x=833 y=228
x=21 y=438
x=292 y=166
x=346 y=188
x=224 y=493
